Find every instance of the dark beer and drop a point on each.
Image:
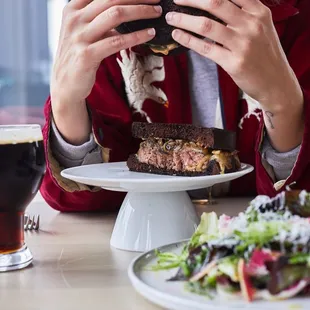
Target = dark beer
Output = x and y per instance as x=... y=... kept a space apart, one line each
x=22 y=166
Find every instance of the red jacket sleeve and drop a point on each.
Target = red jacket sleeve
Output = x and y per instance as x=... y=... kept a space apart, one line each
x=115 y=141
x=297 y=45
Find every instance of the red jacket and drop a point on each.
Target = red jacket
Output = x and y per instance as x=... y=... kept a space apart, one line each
x=112 y=116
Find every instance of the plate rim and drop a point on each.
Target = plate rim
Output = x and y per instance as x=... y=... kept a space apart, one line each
x=247 y=168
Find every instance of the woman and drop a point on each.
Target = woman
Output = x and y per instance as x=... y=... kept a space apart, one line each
x=256 y=82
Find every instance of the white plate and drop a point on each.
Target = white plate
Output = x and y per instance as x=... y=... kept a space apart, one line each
x=171 y=295
x=117 y=177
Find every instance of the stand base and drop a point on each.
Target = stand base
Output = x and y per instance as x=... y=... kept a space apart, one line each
x=16 y=260
x=149 y=220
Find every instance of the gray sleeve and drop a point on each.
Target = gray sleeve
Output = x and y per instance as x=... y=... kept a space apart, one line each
x=69 y=155
x=282 y=163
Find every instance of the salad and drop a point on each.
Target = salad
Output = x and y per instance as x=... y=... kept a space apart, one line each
x=263 y=253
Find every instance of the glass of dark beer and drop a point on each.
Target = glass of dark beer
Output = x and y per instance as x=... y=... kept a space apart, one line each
x=22 y=167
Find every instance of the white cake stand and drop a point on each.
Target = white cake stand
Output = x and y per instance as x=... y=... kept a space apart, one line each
x=157 y=209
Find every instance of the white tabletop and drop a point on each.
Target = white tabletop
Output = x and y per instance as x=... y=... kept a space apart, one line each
x=74 y=266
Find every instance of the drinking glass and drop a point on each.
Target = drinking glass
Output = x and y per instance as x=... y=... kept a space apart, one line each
x=22 y=167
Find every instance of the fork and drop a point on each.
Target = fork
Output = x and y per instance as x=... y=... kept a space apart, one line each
x=31 y=223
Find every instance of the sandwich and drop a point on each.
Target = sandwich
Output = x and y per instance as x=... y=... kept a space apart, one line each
x=183 y=150
x=263 y=253
x=163 y=43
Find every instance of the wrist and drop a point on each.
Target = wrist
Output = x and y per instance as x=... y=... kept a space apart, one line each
x=284 y=121
x=286 y=109
x=72 y=121
x=284 y=100
x=63 y=105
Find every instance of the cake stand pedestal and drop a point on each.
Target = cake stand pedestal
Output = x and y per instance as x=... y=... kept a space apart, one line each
x=148 y=220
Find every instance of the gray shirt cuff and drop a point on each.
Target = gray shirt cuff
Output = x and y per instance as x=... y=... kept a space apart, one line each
x=69 y=155
x=282 y=163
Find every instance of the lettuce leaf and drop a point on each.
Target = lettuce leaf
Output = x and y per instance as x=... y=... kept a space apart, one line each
x=259 y=234
x=228 y=266
x=206 y=230
x=166 y=260
x=299 y=258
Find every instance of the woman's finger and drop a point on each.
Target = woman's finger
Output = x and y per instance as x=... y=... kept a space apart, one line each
x=78 y=4
x=225 y=10
x=211 y=50
x=116 y=15
x=251 y=6
x=96 y=7
x=204 y=27
x=113 y=44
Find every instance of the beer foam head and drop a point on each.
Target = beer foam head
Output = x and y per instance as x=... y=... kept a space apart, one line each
x=13 y=134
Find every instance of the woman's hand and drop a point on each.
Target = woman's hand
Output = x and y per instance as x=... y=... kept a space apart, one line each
x=250 y=51
x=86 y=38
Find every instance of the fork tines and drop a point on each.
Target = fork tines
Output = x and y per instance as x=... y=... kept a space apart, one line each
x=31 y=223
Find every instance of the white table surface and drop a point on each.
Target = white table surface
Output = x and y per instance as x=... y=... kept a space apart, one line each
x=74 y=266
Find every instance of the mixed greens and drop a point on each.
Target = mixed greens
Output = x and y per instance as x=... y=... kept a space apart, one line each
x=263 y=252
